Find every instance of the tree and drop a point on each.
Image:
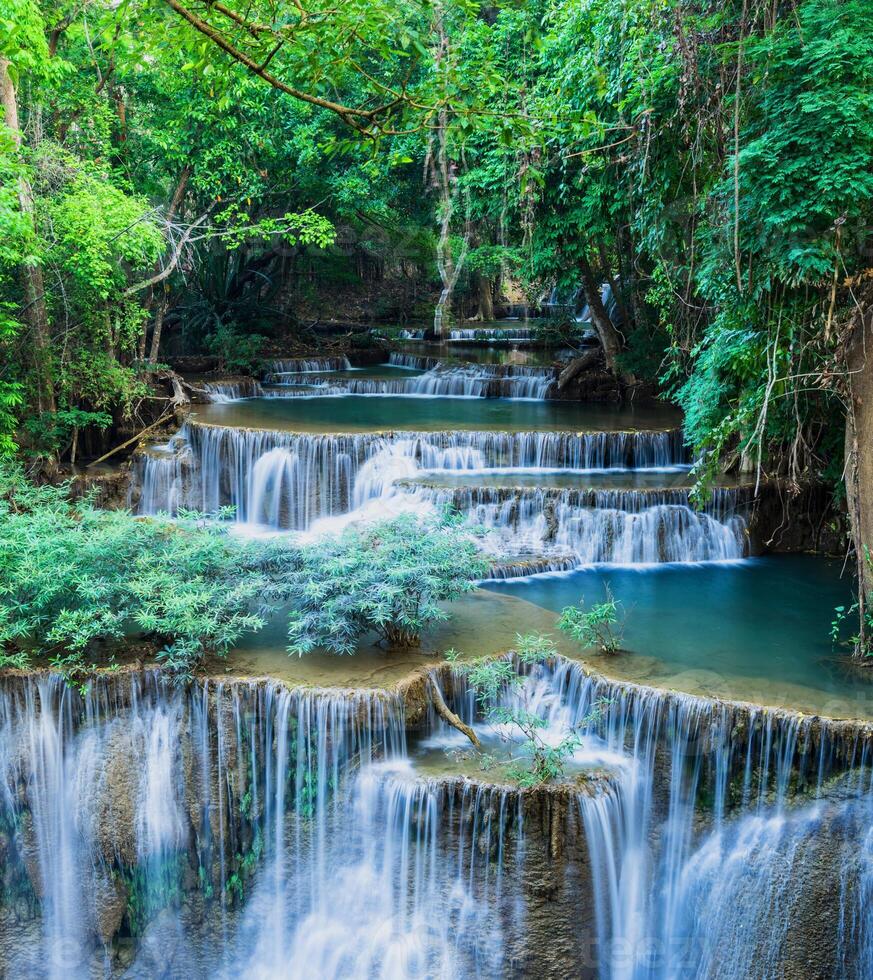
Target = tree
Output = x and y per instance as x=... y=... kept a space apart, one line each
x=389 y=578
x=24 y=48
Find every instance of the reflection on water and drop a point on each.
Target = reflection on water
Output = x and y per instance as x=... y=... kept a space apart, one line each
x=360 y=413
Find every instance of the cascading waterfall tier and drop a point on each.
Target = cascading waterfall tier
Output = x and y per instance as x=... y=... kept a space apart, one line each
x=727 y=831
x=459 y=381
x=729 y=895
x=288 y=480
x=317 y=376
x=308 y=365
x=412 y=362
x=222 y=392
x=595 y=526
x=240 y=827
x=492 y=334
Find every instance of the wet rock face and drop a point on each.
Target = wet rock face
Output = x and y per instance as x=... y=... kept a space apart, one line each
x=110 y=900
x=796 y=522
x=560 y=912
x=113 y=818
x=109 y=487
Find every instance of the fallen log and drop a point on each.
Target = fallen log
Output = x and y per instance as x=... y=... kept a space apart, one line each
x=577 y=366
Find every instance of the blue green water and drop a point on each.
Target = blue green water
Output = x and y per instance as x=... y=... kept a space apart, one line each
x=369 y=413
x=755 y=630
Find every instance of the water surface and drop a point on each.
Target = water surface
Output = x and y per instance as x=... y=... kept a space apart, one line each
x=374 y=413
x=754 y=630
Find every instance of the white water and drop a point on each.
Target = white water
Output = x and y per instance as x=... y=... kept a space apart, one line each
x=354 y=872
x=507 y=334
x=732 y=895
x=304 y=378
x=363 y=869
x=221 y=461
x=320 y=483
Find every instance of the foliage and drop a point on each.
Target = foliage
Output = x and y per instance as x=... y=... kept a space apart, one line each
x=599 y=626
x=76 y=581
x=502 y=698
x=390 y=577
x=558 y=331
x=239 y=352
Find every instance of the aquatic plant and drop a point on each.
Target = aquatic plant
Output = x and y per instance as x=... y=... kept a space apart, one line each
x=600 y=626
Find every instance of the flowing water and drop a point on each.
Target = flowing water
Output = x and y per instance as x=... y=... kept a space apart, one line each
x=244 y=828
x=325 y=822
x=436 y=378
x=236 y=828
x=302 y=481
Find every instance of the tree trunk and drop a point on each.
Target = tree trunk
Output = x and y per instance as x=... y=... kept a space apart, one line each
x=449 y=716
x=161 y=310
x=859 y=459
x=35 y=311
x=448 y=267
x=578 y=366
x=486 y=297
x=616 y=285
x=609 y=337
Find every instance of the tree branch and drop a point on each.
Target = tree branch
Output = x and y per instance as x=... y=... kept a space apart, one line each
x=356 y=118
x=448 y=716
x=171 y=265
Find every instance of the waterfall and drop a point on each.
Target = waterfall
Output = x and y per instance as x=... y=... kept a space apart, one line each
x=239 y=827
x=594 y=526
x=243 y=828
x=308 y=365
x=678 y=895
x=288 y=479
x=291 y=386
x=221 y=392
x=301 y=378
x=412 y=362
x=458 y=381
x=322 y=482
x=484 y=381
x=395 y=895
x=504 y=334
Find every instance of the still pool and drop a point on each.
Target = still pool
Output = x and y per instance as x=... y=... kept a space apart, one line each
x=374 y=413
x=754 y=630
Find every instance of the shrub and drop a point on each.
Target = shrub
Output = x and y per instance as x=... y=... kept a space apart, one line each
x=502 y=699
x=239 y=352
x=75 y=580
x=598 y=627
x=388 y=577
